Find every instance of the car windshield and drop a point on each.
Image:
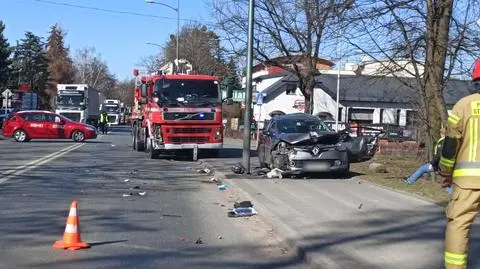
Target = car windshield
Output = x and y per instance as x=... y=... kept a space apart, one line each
x=188 y=91
x=111 y=109
x=70 y=100
x=290 y=126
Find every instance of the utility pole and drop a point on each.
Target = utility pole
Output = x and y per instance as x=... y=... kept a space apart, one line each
x=248 y=91
x=177 y=9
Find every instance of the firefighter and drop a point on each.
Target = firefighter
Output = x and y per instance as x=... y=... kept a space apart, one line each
x=103 y=121
x=460 y=168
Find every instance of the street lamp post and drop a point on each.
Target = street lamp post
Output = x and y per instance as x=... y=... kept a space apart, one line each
x=177 y=9
x=160 y=46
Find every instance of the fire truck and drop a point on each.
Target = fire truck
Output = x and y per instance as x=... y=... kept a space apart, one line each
x=177 y=111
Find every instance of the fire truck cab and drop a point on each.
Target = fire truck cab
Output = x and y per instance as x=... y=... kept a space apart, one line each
x=177 y=112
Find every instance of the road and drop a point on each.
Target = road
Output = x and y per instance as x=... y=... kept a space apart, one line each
x=348 y=223
x=39 y=179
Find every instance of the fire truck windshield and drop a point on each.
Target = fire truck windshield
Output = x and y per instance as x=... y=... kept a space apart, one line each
x=191 y=91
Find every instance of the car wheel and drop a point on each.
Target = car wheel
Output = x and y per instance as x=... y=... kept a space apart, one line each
x=153 y=153
x=78 y=136
x=20 y=136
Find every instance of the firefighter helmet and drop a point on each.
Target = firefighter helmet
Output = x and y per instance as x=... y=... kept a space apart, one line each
x=476 y=70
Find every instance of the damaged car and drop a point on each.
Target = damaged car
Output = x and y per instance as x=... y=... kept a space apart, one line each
x=301 y=143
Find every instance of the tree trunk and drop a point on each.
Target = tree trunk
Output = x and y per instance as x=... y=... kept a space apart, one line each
x=439 y=14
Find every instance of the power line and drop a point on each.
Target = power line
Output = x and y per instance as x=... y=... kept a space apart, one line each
x=111 y=10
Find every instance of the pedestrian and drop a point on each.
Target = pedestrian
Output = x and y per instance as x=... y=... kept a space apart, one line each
x=460 y=168
x=103 y=121
x=432 y=166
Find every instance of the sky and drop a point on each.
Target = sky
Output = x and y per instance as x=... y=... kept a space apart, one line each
x=119 y=38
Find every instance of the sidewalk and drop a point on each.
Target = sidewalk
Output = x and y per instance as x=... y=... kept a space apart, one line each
x=346 y=223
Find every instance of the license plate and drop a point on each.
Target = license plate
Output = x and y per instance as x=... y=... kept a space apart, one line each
x=316 y=166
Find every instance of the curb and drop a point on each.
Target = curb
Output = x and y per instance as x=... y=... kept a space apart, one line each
x=283 y=232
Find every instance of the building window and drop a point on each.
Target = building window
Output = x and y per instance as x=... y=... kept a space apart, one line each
x=381 y=115
x=340 y=111
x=361 y=115
x=397 y=116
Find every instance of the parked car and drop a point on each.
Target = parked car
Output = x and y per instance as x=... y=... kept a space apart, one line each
x=4 y=112
x=26 y=125
x=298 y=143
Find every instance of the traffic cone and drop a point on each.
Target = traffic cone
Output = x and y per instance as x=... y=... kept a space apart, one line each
x=71 y=237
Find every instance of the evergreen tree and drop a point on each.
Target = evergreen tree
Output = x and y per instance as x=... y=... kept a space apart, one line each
x=5 y=62
x=60 y=66
x=30 y=63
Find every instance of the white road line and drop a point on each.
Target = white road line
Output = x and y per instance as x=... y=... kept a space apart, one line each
x=36 y=163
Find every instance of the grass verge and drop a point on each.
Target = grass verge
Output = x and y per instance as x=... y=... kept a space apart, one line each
x=399 y=167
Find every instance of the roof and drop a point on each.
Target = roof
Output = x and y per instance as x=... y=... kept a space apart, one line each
x=376 y=91
x=386 y=90
x=288 y=60
x=295 y=116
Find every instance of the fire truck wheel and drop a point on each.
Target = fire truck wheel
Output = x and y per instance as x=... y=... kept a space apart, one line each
x=134 y=137
x=153 y=153
x=140 y=145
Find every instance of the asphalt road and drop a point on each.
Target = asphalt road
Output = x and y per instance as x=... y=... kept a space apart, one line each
x=39 y=179
x=348 y=223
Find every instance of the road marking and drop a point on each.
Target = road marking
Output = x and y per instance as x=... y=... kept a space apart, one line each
x=36 y=163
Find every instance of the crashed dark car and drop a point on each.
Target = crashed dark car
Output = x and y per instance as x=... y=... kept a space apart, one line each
x=301 y=143
x=298 y=143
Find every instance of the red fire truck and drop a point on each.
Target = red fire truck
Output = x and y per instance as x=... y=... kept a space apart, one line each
x=177 y=112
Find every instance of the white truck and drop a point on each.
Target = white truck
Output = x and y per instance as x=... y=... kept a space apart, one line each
x=112 y=107
x=78 y=102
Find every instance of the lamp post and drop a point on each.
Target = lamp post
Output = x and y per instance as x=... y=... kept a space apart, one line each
x=177 y=9
x=160 y=46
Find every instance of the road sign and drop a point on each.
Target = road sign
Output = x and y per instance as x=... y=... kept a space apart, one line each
x=260 y=97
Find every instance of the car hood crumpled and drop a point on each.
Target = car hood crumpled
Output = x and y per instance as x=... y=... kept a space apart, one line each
x=303 y=139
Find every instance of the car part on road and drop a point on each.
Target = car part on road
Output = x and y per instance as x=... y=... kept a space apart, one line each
x=199 y=241
x=242 y=204
x=238 y=168
x=275 y=173
x=242 y=212
x=222 y=187
x=78 y=136
x=20 y=136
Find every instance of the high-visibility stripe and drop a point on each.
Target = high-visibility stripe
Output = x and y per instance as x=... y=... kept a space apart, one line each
x=453 y=119
x=446 y=162
x=71 y=229
x=473 y=172
x=470 y=133
x=455 y=259
x=466 y=165
x=475 y=140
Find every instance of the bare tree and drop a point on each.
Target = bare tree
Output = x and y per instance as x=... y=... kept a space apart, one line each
x=294 y=28
x=91 y=70
x=427 y=40
x=152 y=63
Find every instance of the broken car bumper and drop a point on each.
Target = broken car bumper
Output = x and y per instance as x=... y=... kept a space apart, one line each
x=327 y=161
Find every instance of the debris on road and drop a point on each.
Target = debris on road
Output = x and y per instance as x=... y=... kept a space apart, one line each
x=126 y=180
x=242 y=209
x=204 y=171
x=242 y=212
x=199 y=241
x=142 y=193
x=260 y=171
x=275 y=173
x=127 y=194
x=184 y=239
x=220 y=237
x=222 y=187
x=238 y=168
x=242 y=204
x=171 y=215
x=360 y=206
x=135 y=187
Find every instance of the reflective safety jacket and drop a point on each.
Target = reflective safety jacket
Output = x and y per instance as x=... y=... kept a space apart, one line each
x=103 y=118
x=461 y=150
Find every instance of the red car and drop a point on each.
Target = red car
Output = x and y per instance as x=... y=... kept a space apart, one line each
x=26 y=125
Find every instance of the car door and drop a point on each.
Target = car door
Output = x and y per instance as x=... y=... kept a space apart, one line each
x=36 y=125
x=54 y=126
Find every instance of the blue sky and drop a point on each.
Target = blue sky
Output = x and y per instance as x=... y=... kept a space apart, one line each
x=120 y=39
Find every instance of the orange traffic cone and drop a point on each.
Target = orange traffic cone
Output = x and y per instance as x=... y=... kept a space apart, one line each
x=71 y=237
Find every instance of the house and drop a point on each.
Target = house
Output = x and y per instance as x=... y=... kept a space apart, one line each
x=362 y=98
